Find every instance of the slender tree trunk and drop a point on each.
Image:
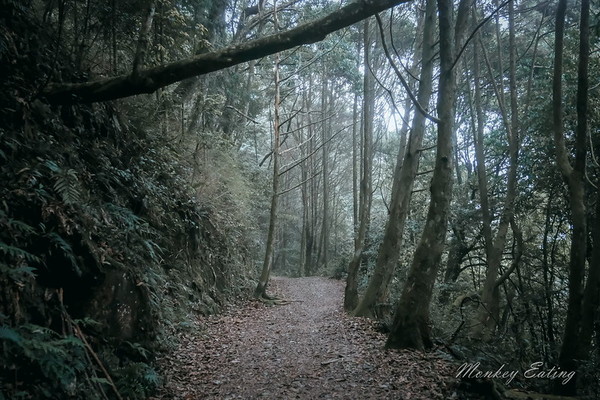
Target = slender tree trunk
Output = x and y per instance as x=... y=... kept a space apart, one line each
x=548 y=273
x=143 y=40
x=304 y=193
x=488 y=314
x=591 y=295
x=113 y=37
x=355 y=168
x=574 y=176
x=325 y=132
x=261 y=288
x=313 y=193
x=404 y=176
x=410 y=328
x=310 y=188
x=364 y=214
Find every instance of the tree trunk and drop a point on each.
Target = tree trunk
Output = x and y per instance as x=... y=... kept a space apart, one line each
x=457 y=251
x=261 y=288
x=325 y=133
x=591 y=295
x=364 y=214
x=142 y=45
x=488 y=312
x=574 y=176
x=404 y=176
x=410 y=328
x=304 y=192
x=355 y=181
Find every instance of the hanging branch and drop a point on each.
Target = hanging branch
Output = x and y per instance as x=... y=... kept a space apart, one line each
x=418 y=105
x=482 y=23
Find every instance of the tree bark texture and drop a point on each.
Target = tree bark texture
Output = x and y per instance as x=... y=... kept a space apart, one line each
x=326 y=107
x=142 y=45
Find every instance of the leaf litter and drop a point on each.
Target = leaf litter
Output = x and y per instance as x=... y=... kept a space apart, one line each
x=308 y=348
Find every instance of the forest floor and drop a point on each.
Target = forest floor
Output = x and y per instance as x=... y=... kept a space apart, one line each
x=306 y=349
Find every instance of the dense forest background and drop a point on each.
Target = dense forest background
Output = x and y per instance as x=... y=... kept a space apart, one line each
x=441 y=157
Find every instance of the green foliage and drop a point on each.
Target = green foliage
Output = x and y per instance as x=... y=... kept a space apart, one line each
x=45 y=362
x=66 y=184
x=58 y=242
x=17 y=253
x=85 y=196
x=136 y=380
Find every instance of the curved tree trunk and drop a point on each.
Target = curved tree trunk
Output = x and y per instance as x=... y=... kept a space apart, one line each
x=410 y=328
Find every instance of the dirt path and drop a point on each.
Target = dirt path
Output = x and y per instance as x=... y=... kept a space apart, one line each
x=308 y=349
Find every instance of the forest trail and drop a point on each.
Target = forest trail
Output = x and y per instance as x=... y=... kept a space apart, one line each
x=306 y=349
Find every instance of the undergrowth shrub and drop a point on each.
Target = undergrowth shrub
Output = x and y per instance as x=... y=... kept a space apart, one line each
x=105 y=246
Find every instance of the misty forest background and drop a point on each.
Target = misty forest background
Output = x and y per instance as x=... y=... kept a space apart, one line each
x=442 y=157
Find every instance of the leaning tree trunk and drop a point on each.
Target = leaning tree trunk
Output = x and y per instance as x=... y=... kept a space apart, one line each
x=410 y=328
x=404 y=177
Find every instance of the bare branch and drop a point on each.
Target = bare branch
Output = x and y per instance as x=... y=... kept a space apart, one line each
x=418 y=105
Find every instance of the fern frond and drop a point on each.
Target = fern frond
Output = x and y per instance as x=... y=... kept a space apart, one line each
x=67 y=183
x=139 y=349
x=152 y=377
x=52 y=166
x=18 y=272
x=15 y=252
x=87 y=322
x=126 y=217
x=66 y=248
x=69 y=341
x=67 y=186
x=7 y=333
x=103 y=381
x=150 y=246
x=37 y=329
x=20 y=226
